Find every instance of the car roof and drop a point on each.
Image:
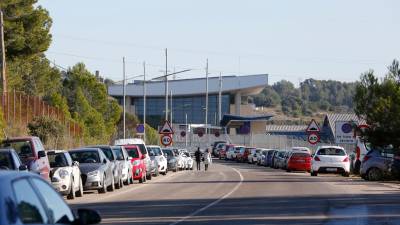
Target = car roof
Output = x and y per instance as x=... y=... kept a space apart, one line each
x=153 y=146
x=57 y=151
x=330 y=146
x=129 y=141
x=86 y=149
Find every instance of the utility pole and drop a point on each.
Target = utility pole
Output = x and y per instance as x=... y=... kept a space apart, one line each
x=187 y=132
x=206 y=122
x=3 y=54
x=170 y=106
x=220 y=98
x=166 y=85
x=144 y=101
x=124 y=95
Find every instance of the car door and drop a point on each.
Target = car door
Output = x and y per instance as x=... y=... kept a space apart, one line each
x=106 y=167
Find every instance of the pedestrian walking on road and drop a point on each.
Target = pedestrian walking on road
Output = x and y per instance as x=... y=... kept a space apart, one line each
x=207 y=159
x=197 y=154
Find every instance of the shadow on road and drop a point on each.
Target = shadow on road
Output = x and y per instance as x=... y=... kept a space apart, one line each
x=343 y=209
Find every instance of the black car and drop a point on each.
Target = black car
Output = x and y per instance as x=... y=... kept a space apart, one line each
x=25 y=198
x=9 y=160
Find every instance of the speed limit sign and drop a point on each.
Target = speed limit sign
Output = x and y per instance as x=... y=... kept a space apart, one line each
x=166 y=140
x=313 y=138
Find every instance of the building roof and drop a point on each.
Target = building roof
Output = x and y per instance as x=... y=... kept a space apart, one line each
x=246 y=85
x=228 y=119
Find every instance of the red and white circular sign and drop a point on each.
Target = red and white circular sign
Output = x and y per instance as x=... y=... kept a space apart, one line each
x=166 y=140
x=313 y=138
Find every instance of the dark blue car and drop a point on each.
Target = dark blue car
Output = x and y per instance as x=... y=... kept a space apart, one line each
x=25 y=198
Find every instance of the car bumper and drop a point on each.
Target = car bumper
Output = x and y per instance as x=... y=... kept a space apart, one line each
x=299 y=166
x=331 y=168
x=92 y=182
x=137 y=172
x=62 y=187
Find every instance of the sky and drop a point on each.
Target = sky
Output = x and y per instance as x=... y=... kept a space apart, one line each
x=287 y=39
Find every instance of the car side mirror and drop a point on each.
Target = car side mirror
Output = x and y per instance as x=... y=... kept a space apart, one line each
x=104 y=161
x=88 y=216
x=41 y=154
x=22 y=168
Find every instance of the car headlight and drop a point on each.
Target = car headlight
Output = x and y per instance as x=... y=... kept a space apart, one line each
x=136 y=163
x=93 y=173
x=63 y=173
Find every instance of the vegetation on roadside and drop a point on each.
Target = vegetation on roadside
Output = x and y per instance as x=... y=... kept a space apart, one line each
x=378 y=102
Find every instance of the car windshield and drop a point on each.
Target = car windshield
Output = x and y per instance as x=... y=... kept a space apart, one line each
x=5 y=161
x=156 y=151
x=118 y=152
x=168 y=152
x=132 y=152
x=331 y=151
x=108 y=153
x=142 y=148
x=22 y=148
x=57 y=160
x=151 y=152
x=85 y=156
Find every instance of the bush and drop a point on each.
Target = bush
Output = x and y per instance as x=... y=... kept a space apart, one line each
x=48 y=129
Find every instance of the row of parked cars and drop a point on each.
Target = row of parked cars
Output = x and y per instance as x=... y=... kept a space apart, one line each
x=102 y=168
x=326 y=159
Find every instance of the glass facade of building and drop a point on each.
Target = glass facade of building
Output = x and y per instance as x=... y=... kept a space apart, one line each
x=193 y=106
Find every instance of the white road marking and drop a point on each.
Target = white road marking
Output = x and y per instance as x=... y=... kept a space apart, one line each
x=214 y=202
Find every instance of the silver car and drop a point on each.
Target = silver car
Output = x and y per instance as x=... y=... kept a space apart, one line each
x=96 y=169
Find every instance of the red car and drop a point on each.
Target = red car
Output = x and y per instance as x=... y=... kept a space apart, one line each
x=137 y=160
x=32 y=154
x=222 y=152
x=242 y=155
x=300 y=161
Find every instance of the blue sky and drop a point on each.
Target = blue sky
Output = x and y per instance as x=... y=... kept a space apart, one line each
x=288 y=39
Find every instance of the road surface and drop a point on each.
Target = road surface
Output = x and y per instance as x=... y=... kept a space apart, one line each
x=232 y=193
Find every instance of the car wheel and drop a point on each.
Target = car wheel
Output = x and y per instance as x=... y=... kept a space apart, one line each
x=118 y=184
x=103 y=189
x=71 y=194
x=128 y=180
x=148 y=176
x=111 y=188
x=314 y=174
x=79 y=193
x=375 y=174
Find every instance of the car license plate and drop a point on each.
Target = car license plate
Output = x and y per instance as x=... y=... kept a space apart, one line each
x=331 y=169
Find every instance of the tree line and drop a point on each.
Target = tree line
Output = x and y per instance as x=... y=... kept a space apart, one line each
x=312 y=96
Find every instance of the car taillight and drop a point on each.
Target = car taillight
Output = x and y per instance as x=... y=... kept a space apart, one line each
x=346 y=159
x=316 y=158
x=366 y=158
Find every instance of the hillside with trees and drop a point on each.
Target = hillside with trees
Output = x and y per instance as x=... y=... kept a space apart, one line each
x=313 y=96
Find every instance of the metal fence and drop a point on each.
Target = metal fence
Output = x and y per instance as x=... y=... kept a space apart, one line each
x=20 y=109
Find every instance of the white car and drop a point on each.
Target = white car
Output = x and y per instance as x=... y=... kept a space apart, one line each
x=188 y=160
x=252 y=157
x=122 y=157
x=65 y=174
x=261 y=156
x=157 y=155
x=330 y=159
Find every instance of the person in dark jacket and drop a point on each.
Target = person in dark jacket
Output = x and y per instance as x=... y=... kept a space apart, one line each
x=197 y=154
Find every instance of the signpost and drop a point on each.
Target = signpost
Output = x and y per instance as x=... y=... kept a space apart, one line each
x=313 y=132
x=344 y=133
x=166 y=132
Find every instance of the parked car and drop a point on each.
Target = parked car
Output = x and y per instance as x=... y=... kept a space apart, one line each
x=180 y=159
x=302 y=149
x=171 y=158
x=25 y=198
x=218 y=148
x=299 y=161
x=32 y=154
x=240 y=155
x=261 y=157
x=126 y=167
x=273 y=158
x=160 y=160
x=286 y=157
x=269 y=158
x=9 y=160
x=224 y=154
x=380 y=163
x=96 y=169
x=65 y=174
x=252 y=157
x=138 y=164
x=115 y=164
x=330 y=159
x=279 y=160
x=143 y=149
x=188 y=160
x=214 y=147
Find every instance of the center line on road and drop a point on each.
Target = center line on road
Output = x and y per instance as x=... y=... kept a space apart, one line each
x=214 y=202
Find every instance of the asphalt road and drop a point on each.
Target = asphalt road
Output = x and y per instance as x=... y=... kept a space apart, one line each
x=231 y=193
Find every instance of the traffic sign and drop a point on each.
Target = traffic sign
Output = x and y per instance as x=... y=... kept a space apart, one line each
x=166 y=128
x=166 y=140
x=313 y=127
x=183 y=133
x=140 y=128
x=313 y=138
